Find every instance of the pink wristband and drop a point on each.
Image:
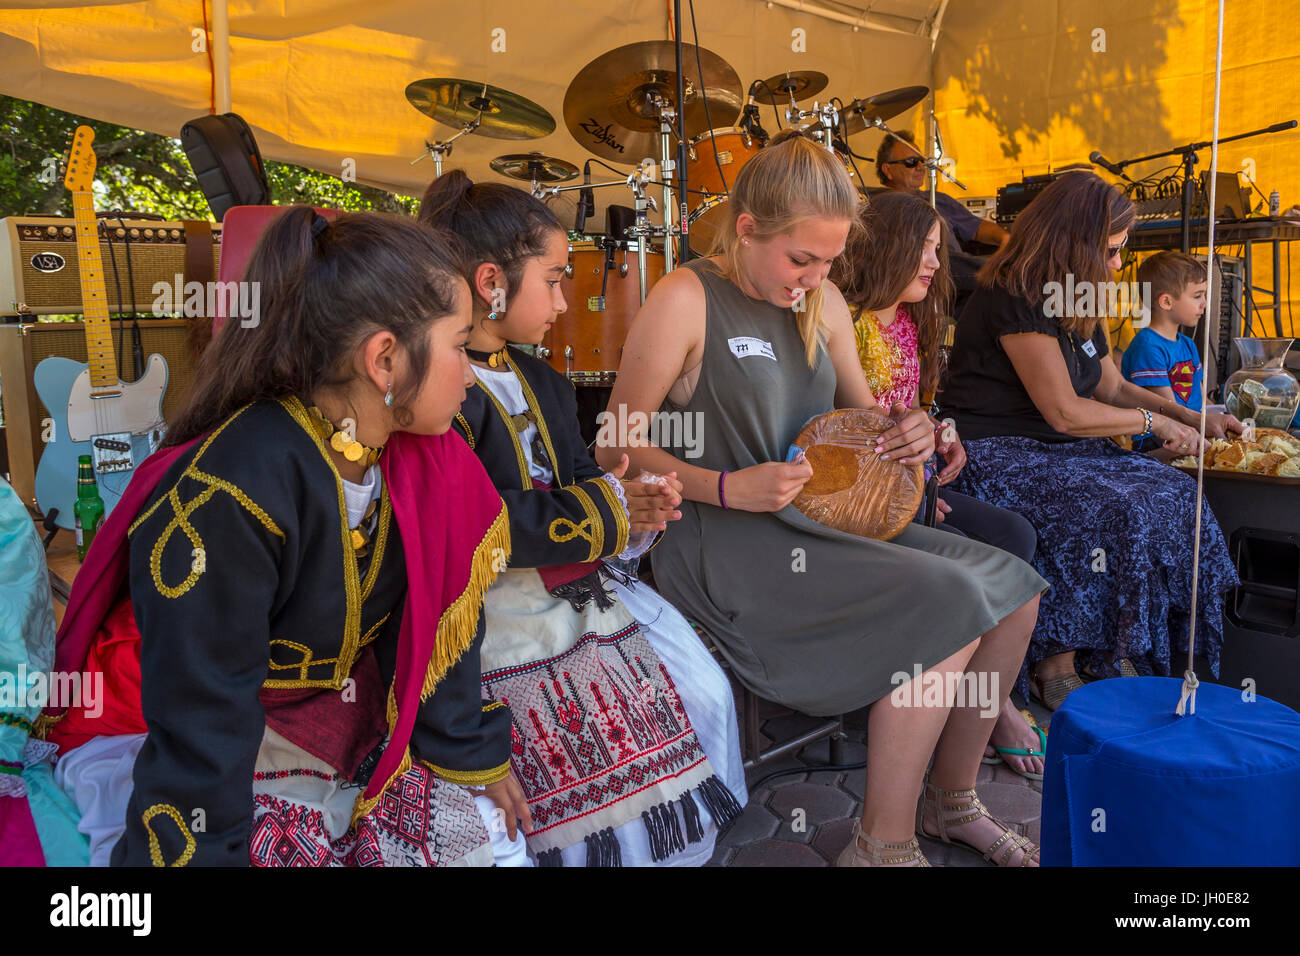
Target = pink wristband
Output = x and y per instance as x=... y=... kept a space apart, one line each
x=722 y=496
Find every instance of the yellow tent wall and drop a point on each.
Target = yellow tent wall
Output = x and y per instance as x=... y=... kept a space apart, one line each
x=1021 y=87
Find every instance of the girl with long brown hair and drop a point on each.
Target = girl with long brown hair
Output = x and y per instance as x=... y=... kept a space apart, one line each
x=755 y=342
x=894 y=276
x=1035 y=394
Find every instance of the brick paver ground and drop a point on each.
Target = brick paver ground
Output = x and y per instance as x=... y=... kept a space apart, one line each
x=804 y=818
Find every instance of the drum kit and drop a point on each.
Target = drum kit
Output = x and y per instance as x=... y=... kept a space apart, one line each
x=622 y=107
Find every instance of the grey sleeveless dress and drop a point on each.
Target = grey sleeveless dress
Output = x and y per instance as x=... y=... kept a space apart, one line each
x=814 y=618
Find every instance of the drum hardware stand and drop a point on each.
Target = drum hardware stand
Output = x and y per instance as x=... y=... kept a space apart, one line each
x=668 y=165
x=825 y=119
x=442 y=148
x=641 y=229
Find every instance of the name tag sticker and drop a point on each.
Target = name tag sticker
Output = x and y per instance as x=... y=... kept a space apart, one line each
x=1089 y=349
x=744 y=345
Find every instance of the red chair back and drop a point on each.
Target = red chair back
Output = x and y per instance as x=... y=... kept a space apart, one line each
x=240 y=230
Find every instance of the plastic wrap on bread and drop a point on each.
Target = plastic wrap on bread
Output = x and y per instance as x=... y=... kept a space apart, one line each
x=852 y=488
x=1272 y=452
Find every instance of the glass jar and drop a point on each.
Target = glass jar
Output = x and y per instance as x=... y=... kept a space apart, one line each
x=1262 y=389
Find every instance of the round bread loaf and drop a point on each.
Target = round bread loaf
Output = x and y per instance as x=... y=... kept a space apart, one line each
x=852 y=488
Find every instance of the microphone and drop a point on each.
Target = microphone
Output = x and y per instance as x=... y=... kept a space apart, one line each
x=1097 y=159
x=586 y=201
x=749 y=117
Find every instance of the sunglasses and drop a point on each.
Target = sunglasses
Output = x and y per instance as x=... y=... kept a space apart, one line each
x=1113 y=251
x=911 y=162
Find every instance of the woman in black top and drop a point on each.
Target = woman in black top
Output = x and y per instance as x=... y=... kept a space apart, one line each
x=1035 y=397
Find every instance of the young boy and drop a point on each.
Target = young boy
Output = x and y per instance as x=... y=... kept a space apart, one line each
x=1159 y=358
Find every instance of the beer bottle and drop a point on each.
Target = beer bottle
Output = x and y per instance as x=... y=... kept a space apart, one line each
x=89 y=509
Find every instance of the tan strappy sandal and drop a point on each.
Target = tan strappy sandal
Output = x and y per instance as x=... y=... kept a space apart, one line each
x=879 y=852
x=1051 y=693
x=955 y=807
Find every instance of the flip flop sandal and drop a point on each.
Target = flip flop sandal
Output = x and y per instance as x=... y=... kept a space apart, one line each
x=1021 y=752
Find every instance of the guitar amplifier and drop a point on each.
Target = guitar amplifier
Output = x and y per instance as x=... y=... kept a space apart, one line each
x=24 y=346
x=40 y=273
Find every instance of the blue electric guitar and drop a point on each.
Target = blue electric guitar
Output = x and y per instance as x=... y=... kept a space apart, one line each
x=94 y=412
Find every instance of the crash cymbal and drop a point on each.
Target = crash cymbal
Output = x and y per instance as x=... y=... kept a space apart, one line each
x=857 y=116
x=534 y=168
x=804 y=84
x=608 y=106
x=455 y=103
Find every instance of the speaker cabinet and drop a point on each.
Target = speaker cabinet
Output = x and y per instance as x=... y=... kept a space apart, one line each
x=1260 y=519
x=24 y=346
x=40 y=272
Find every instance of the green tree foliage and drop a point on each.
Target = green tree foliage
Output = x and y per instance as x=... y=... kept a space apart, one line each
x=141 y=172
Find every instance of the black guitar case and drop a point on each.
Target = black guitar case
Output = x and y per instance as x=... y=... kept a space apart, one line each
x=226 y=161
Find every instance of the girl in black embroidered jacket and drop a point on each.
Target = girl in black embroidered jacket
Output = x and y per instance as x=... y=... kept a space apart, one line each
x=624 y=732
x=269 y=574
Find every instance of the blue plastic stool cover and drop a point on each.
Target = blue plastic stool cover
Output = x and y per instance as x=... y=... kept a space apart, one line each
x=1130 y=783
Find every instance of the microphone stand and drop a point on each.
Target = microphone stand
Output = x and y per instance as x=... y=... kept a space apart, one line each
x=930 y=164
x=1188 y=153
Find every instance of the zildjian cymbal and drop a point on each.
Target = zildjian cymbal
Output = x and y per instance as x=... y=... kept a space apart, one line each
x=456 y=103
x=857 y=116
x=803 y=84
x=534 y=168
x=610 y=105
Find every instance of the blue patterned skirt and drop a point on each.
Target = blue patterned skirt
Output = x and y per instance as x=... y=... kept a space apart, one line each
x=1115 y=542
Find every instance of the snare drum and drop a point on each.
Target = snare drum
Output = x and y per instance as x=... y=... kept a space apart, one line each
x=586 y=342
x=712 y=162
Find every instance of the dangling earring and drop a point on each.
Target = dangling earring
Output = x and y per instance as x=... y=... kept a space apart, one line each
x=388 y=395
x=492 y=316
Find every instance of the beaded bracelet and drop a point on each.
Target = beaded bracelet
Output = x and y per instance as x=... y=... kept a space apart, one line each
x=1146 y=416
x=722 y=495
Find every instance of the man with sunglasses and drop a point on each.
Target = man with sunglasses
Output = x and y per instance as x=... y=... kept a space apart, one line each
x=900 y=166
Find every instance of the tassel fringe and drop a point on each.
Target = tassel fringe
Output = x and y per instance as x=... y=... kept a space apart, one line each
x=555 y=857
x=665 y=831
x=457 y=628
x=582 y=591
x=459 y=623
x=720 y=802
x=694 y=828
x=602 y=849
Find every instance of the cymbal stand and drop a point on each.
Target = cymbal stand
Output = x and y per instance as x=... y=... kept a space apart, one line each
x=929 y=163
x=441 y=148
x=668 y=166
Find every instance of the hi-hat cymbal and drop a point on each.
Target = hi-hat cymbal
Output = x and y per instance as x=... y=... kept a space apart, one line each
x=609 y=110
x=804 y=84
x=456 y=103
x=857 y=116
x=534 y=168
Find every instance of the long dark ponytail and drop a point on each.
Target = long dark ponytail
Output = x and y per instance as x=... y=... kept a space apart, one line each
x=495 y=223
x=322 y=291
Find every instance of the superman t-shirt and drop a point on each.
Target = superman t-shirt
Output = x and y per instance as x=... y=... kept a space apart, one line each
x=1152 y=361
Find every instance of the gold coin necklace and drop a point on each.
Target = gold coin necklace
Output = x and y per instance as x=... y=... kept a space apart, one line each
x=343 y=441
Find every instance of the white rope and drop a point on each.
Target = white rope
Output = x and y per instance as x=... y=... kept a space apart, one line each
x=1187 y=699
